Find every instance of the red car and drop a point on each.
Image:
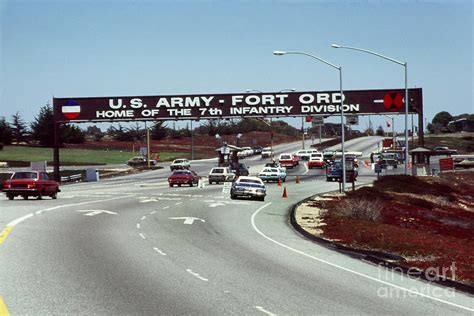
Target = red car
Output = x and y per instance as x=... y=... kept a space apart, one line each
x=180 y=177
x=30 y=183
x=316 y=161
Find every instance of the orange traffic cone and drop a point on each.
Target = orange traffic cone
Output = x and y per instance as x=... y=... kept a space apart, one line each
x=297 y=179
x=279 y=181
x=285 y=195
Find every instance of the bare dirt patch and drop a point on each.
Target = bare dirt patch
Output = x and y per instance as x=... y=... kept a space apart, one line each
x=429 y=221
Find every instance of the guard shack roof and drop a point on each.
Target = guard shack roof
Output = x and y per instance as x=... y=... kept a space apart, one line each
x=232 y=148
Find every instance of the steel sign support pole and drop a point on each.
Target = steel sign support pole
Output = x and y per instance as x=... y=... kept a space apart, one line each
x=407 y=100
x=56 y=133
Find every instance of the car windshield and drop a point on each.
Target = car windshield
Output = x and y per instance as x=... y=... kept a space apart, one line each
x=181 y=172
x=218 y=170
x=25 y=175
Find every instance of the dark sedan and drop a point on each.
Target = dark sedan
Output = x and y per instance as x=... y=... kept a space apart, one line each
x=180 y=177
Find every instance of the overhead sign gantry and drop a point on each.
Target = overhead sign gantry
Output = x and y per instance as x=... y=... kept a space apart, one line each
x=237 y=105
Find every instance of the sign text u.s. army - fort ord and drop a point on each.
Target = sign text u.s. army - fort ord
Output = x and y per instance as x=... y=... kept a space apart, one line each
x=214 y=106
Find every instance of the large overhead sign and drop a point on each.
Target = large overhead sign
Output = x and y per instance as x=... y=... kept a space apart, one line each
x=213 y=106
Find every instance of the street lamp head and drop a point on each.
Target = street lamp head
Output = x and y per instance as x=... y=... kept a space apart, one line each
x=279 y=53
x=218 y=136
x=335 y=46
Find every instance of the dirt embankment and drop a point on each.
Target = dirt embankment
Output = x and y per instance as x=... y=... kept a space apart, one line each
x=429 y=221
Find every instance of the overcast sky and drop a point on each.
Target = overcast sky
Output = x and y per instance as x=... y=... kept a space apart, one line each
x=109 y=48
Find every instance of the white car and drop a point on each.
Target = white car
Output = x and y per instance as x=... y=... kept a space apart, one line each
x=252 y=187
x=180 y=164
x=272 y=174
x=304 y=154
x=267 y=152
x=245 y=152
x=221 y=174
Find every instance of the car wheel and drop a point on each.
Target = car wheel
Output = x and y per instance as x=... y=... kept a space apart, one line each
x=10 y=196
x=210 y=182
x=191 y=184
x=262 y=199
x=171 y=185
x=284 y=179
x=179 y=184
x=54 y=196
x=233 y=197
x=25 y=197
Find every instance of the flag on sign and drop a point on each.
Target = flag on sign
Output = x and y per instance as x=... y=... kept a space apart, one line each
x=71 y=109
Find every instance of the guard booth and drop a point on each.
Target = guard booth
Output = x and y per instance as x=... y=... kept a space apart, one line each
x=227 y=154
x=420 y=158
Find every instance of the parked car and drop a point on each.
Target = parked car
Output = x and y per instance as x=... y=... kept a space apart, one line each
x=30 y=183
x=463 y=161
x=245 y=152
x=252 y=187
x=257 y=150
x=180 y=164
x=387 y=159
x=316 y=161
x=221 y=174
x=180 y=177
x=272 y=174
x=287 y=160
x=267 y=152
x=239 y=169
x=442 y=150
x=140 y=161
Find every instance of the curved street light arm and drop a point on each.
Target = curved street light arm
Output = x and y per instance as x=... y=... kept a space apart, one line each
x=315 y=57
x=370 y=52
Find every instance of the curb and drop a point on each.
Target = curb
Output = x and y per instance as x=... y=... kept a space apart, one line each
x=376 y=257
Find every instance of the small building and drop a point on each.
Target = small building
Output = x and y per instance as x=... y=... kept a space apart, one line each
x=420 y=158
x=227 y=154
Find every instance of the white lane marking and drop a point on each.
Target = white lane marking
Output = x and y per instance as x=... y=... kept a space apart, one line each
x=141 y=235
x=151 y=213
x=178 y=203
x=138 y=225
x=19 y=220
x=260 y=308
x=143 y=217
x=196 y=275
x=306 y=167
x=166 y=207
x=346 y=269
x=96 y=212
x=188 y=220
x=159 y=251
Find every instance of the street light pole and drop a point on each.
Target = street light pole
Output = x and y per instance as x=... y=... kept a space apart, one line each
x=405 y=65
x=339 y=68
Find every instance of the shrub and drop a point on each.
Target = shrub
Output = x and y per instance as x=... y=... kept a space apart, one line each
x=360 y=208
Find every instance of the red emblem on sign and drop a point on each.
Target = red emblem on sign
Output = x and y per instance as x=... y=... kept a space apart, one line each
x=393 y=101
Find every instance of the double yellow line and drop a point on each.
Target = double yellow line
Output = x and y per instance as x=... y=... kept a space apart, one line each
x=3 y=308
x=4 y=234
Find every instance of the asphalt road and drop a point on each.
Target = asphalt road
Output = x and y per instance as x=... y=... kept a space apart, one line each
x=132 y=245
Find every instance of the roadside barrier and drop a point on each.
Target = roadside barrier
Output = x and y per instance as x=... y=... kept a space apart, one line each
x=74 y=177
x=285 y=194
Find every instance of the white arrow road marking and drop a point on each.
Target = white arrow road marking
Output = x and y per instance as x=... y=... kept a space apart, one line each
x=159 y=251
x=151 y=213
x=148 y=200
x=141 y=235
x=166 y=207
x=196 y=275
x=260 y=308
x=216 y=204
x=189 y=220
x=143 y=217
x=96 y=212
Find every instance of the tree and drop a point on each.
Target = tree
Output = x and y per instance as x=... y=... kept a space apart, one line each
x=441 y=119
x=19 y=128
x=42 y=129
x=6 y=134
x=159 y=130
x=95 y=133
x=380 y=131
